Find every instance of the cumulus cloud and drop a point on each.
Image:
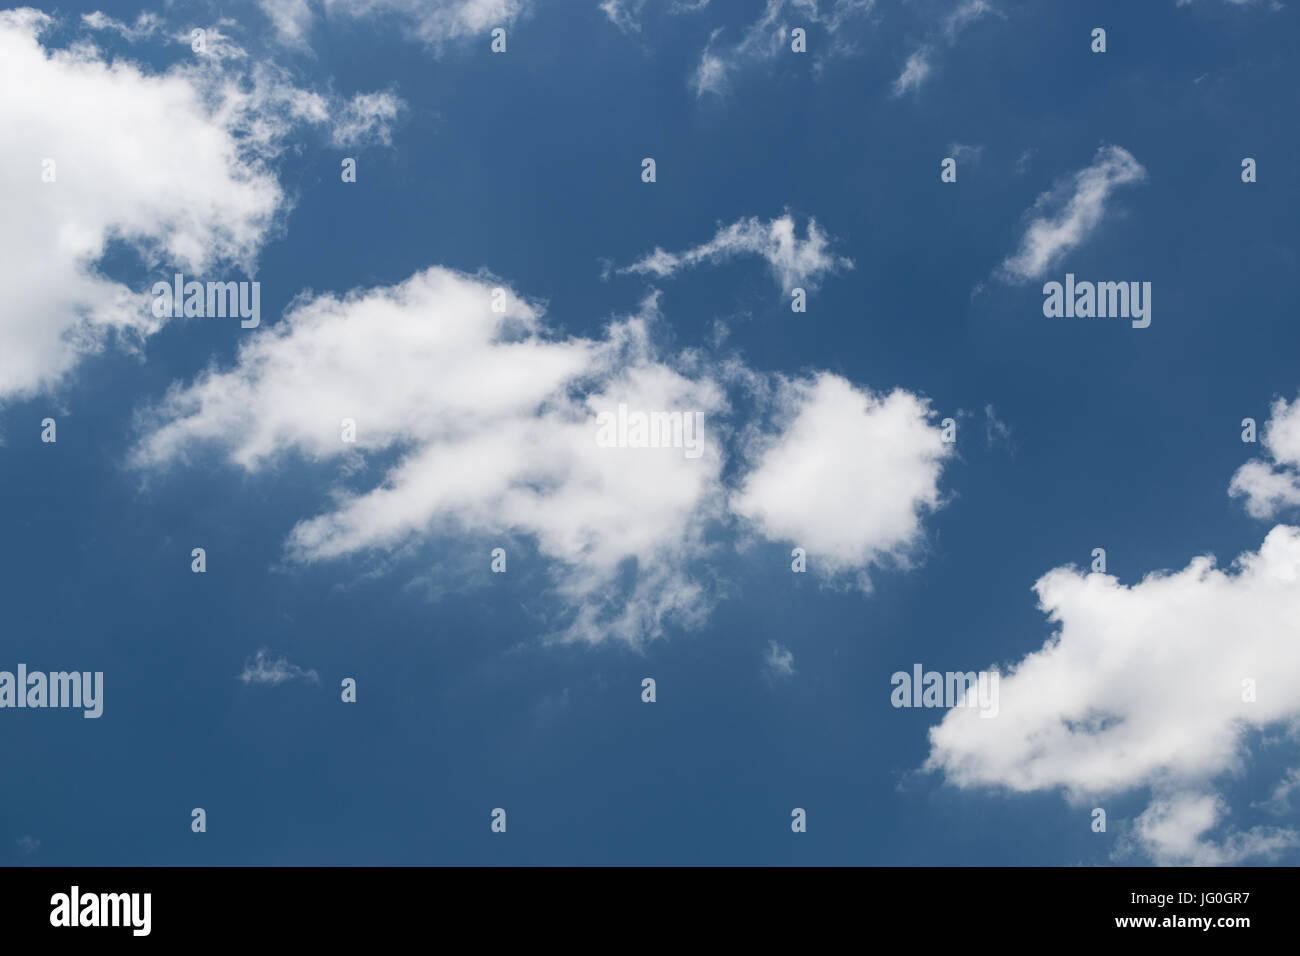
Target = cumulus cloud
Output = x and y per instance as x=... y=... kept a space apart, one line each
x=487 y=426
x=793 y=261
x=847 y=475
x=1065 y=216
x=1141 y=689
x=261 y=669
x=140 y=157
x=493 y=425
x=1271 y=486
x=175 y=164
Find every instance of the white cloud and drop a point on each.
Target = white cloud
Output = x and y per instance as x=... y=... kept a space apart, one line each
x=432 y=22
x=261 y=669
x=28 y=844
x=996 y=431
x=292 y=20
x=146 y=25
x=793 y=262
x=965 y=13
x=768 y=37
x=920 y=65
x=140 y=157
x=1272 y=486
x=367 y=118
x=779 y=660
x=847 y=475
x=915 y=70
x=1068 y=214
x=624 y=14
x=1279 y=801
x=1141 y=688
x=486 y=426
x=493 y=423
x=174 y=164
x=965 y=153
x=1024 y=159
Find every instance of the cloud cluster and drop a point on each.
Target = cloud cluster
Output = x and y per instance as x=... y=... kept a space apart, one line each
x=487 y=423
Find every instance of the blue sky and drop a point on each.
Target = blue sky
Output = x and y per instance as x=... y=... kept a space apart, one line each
x=522 y=690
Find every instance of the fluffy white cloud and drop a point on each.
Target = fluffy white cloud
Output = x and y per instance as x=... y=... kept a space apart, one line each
x=1270 y=487
x=1067 y=215
x=494 y=427
x=488 y=426
x=793 y=261
x=1141 y=688
x=176 y=164
x=139 y=157
x=846 y=476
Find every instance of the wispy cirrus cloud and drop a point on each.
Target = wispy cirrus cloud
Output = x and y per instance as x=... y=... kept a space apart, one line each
x=792 y=261
x=1065 y=216
x=432 y=22
x=264 y=670
x=768 y=37
x=920 y=62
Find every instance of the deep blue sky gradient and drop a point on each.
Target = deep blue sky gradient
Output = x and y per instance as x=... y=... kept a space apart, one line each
x=528 y=164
